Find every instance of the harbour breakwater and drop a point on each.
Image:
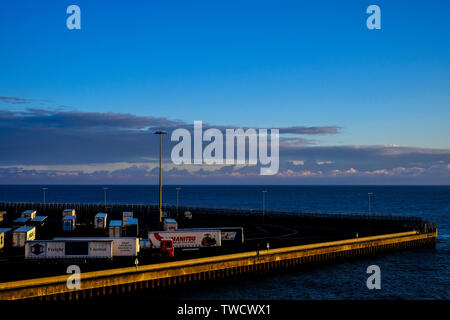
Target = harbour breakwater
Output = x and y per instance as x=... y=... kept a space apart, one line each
x=184 y=272
x=297 y=239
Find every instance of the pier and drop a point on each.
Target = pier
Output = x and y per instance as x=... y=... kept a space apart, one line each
x=178 y=273
x=283 y=241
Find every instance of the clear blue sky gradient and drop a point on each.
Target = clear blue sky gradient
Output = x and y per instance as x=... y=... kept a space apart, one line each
x=246 y=63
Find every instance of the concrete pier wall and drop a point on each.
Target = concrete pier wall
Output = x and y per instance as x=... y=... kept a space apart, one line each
x=154 y=276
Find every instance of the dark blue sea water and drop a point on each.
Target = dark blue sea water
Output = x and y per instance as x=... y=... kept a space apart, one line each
x=418 y=274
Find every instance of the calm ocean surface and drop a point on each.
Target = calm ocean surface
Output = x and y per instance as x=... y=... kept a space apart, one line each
x=419 y=274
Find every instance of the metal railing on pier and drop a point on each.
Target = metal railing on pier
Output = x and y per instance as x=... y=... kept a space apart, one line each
x=146 y=210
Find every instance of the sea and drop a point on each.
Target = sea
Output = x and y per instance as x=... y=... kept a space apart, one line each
x=415 y=274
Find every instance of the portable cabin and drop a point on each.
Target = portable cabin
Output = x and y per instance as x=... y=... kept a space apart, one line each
x=125 y=216
x=100 y=220
x=2 y=215
x=5 y=237
x=23 y=234
x=69 y=212
x=115 y=228
x=131 y=227
x=188 y=215
x=170 y=224
x=29 y=214
x=68 y=223
x=39 y=221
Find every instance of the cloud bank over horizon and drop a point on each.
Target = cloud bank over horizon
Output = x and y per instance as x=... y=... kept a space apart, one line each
x=47 y=146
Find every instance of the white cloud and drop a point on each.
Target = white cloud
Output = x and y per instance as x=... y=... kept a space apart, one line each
x=114 y=166
x=324 y=162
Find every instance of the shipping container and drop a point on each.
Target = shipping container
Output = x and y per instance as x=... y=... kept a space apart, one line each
x=69 y=212
x=22 y=221
x=125 y=247
x=23 y=234
x=98 y=249
x=131 y=228
x=68 y=223
x=122 y=246
x=229 y=235
x=50 y=249
x=100 y=220
x=68 y=249
x=187 y=239
x=39 y=221
x=5 y=238
x=29 y=214
x=170 y=224
x=125 y=216
x=115 y=228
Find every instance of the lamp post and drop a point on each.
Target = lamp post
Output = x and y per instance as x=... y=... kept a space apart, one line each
x=369 y=194
x=43 y=191
x=104 y=190
x=160 y=133
x=178 y=191
x=264 y=203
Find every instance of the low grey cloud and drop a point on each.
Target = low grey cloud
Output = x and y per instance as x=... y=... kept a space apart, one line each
x=67 y=146
x=366 y=157
x=39 y=118
x=13 y=100
x=40 y=136
x=311 y=130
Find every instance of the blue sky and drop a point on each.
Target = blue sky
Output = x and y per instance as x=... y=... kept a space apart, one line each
x=239 y=63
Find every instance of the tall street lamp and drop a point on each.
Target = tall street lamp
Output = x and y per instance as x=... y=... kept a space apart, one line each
x=264 y=203
x=369 y=194
x=104 y=190
x=160 y=133
x=178 y=191
x=43 y=190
